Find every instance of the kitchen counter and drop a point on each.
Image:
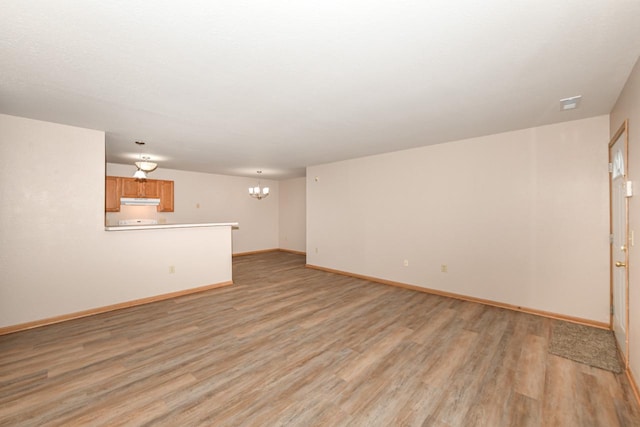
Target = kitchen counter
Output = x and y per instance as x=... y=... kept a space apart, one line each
x=162 y=226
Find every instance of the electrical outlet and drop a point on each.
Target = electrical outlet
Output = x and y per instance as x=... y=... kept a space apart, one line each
x=172 y=269
x=444 y=268
x=406 y=263
x=316 y=250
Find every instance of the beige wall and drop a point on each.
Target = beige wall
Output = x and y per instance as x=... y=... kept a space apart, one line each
x=519 y=217
x=293 y=207
x=204 y=197
x=55 y=256
x=628 y=107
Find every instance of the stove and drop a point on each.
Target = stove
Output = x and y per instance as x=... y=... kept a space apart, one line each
x=137 y=222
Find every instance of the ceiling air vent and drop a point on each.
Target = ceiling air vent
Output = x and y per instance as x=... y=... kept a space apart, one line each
x=570 y=103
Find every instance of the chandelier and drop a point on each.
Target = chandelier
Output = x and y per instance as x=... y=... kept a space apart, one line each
x=259 y=192
x=145 y=165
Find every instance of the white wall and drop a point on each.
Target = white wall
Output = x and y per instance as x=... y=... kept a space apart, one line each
x=293 y=214
x=628 y=107
x=221 y=198
x=519 y=218
x=55 y=256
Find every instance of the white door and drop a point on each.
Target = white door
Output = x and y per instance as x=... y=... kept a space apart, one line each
x=619 y=245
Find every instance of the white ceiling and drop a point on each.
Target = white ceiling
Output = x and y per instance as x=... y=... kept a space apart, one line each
x=238 y=85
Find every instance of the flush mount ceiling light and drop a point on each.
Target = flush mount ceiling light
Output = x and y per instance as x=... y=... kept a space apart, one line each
x=145 y=165
x=259 y=192
x=570 y=103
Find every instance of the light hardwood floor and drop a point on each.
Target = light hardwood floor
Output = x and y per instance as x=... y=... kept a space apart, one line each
x=293 y=346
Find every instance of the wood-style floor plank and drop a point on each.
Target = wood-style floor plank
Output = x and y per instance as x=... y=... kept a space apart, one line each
x=292 y=346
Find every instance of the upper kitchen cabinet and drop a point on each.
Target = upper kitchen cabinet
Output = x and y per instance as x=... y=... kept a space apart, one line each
x=166 y=196
x=117 y=187
x=129 y=187
x=112 y=194
x=149 y=188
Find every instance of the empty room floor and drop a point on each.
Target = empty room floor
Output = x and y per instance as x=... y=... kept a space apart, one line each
x=287 y=345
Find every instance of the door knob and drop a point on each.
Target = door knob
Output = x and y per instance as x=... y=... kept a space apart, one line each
x=620 y=264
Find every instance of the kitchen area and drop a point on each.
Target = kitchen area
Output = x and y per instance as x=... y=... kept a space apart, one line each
x=133 y=201
x=169 y=197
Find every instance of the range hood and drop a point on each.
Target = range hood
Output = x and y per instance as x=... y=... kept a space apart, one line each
x=137 y=201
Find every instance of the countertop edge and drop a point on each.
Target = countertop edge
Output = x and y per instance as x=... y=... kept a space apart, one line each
x=163 y=226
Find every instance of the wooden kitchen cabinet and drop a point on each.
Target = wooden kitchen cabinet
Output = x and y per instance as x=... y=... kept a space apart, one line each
x=148 y=188
x=117 y=187
x=129 y=187
x=166 y=196
x=112 y=194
